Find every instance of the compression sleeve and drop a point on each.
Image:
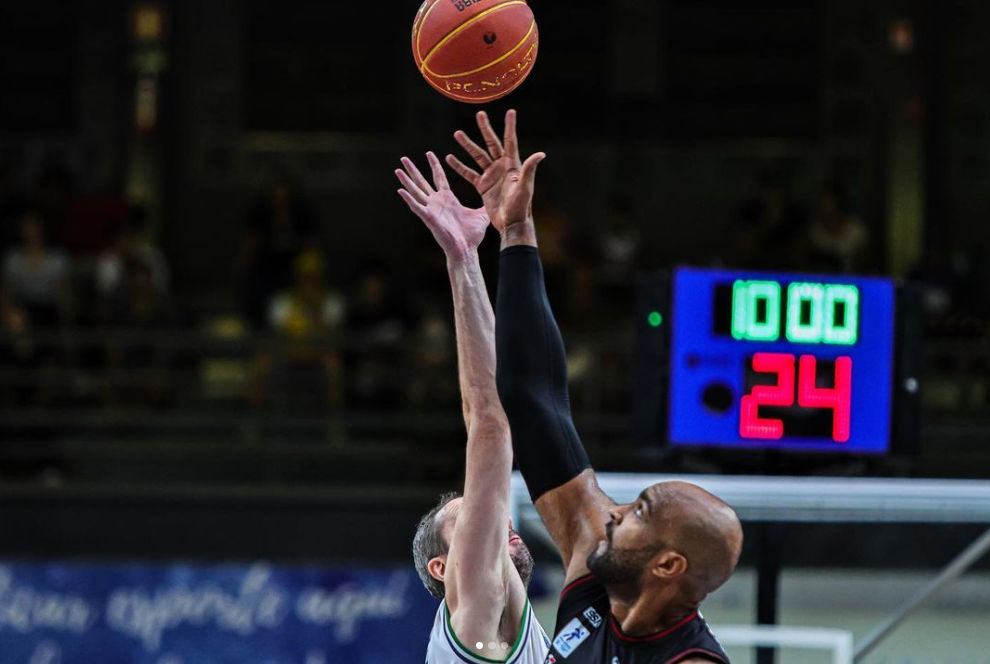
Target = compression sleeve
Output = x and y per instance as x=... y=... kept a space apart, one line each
x=531 y=372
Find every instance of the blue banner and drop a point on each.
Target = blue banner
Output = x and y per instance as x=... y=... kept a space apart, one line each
x=61 y=613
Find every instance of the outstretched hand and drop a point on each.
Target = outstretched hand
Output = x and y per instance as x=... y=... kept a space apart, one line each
x=459 y=230
x=505 y=182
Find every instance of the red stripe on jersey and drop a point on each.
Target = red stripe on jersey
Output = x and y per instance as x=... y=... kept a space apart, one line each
x=652 y=637
x=576 y=582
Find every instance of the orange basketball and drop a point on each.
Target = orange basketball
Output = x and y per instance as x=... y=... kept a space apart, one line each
x=475 y=50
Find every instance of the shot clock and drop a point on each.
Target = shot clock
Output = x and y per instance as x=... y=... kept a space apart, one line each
x=781 y=360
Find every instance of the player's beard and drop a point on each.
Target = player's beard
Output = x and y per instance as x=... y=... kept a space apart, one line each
x=620 y=569
x=522 y=560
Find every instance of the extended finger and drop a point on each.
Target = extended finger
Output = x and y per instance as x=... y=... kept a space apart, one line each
x=491 y=138
x=511 y=140
x=461 y=169
x=528 y=170
x=439 y=177
x=416 y=176
x=418 y=209
x=410 y=186
x=477 y=152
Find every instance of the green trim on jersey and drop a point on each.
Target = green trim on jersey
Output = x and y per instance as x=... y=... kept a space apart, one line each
x=523 y=628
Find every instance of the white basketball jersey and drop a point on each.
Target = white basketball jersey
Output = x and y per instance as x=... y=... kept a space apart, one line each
x=531 y=645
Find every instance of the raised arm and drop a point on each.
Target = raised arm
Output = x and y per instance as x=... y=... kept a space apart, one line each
x=532 y=373
x=482 y=586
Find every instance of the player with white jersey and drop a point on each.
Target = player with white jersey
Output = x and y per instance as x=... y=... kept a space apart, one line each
x=465 y=548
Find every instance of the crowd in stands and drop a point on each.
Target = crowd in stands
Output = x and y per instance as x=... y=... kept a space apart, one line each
x=72 y=264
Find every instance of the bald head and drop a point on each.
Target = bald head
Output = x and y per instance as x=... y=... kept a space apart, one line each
x=701 y=527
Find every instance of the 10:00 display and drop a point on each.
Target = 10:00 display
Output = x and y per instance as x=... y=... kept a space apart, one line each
x=814 y=314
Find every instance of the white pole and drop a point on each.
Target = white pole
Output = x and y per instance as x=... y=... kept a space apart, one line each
x=953 y=570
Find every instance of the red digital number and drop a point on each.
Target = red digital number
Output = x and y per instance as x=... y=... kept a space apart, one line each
x=837 y=398
x=751 y=425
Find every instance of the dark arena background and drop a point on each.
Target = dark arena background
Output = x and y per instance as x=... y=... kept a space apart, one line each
x=195 y=470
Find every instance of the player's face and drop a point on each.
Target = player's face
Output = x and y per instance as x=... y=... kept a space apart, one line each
x=522 y=559
x=630 y=543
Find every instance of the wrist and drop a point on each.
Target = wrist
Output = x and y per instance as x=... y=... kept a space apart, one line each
x=462 y=258
x=519 y=233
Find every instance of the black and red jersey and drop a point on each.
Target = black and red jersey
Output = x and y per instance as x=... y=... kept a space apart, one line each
x=587 y=633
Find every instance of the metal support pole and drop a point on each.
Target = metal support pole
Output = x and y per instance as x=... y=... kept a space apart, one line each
x=767 y=584
x=952 y=571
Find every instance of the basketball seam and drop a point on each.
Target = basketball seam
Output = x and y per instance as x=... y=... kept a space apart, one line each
x=476 y=100
x=419 y=28
x=490 y=64
x=460 y=28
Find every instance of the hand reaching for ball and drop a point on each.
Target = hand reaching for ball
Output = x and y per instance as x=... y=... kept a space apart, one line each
x=457 y=229
x=506 y=183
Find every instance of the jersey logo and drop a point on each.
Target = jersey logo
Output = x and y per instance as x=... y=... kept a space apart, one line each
x=592 y=617
x=551 y=660
x=569 y=638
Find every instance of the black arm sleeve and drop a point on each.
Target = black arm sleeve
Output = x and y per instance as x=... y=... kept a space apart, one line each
x=531 y=372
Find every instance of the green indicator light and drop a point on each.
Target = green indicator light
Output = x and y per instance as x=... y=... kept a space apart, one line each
x=655 y=319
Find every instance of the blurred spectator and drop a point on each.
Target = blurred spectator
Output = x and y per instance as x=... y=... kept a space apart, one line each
x=280 y=226
x=433 y=379
x=139 y=364
x=305 y=318
x=377 y=322
x=36 y=278
x=594 y=317
x=939 y=278
x=619 y=244
x=34 y=296
x=555 y=241
x=93 y=225
x=837 y=241
x=131 y=242
x=94 y=232
x=767 y=227
x=952 y=292
x=582 y=322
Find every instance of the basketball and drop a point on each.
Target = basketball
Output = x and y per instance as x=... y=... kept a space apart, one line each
x=475 y=51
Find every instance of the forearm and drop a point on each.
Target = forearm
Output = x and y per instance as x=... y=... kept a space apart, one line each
x=480 y=535
x=532 y=371
x=488 y=458
x=474 y=322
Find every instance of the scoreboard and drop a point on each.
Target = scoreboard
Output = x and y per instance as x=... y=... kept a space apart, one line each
x=787 y=361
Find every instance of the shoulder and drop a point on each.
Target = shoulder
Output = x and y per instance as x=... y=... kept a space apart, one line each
x=529 y=644
x=584 y=598
x=581 y=585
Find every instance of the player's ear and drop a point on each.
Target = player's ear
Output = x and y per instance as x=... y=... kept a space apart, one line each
x=669 y=565
x=437 y=567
